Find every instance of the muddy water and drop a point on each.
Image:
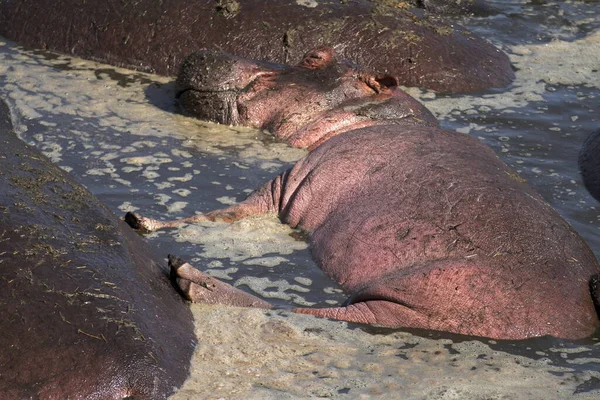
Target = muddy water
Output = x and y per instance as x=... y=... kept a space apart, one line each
x=120 y=134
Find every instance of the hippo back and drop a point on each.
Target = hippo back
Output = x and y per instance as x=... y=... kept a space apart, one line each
x=87 y=310
x=434 y=221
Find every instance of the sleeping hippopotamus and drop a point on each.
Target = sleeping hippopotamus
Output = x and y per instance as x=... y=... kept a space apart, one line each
x=589 y=164
x=383 y=35
x=87 y=311
x=422 y=227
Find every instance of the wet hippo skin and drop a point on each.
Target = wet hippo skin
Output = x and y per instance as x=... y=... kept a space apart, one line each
x=155 y=36
x=87 y=311
x=589 y=164
x=422 y=227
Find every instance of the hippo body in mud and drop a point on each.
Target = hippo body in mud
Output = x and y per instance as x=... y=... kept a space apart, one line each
x=589 y=164
x=422 y=227
x=381 y=35
x=87 y=312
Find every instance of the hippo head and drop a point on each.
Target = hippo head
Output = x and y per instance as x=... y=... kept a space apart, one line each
x=303 y=105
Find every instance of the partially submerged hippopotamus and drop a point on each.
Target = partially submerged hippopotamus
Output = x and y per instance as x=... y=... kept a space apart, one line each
x=423 y=227
x=589 y=164
x=382 y=35
x=87 y=310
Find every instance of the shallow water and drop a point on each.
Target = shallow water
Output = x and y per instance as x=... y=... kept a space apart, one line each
x=120 y=134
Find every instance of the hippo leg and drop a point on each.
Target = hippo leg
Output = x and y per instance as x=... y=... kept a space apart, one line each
x=367 y=312
x=229 y=214
x=199 y=287
x=145 y=224
x=262 y=201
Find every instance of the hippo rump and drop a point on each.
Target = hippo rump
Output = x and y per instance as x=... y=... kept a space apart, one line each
x=155 y=36
x=87 y=312
x=589 y=164
x=422 y=227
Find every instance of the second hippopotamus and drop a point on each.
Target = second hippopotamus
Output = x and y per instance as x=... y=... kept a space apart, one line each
x=396 y=36
x=422 y=227
x=88 y=311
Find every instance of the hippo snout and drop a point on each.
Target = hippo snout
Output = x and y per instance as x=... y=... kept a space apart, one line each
x=213 y=71
x=209 y=83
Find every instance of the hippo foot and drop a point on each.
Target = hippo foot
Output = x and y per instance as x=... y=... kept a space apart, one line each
x=199 y=287
x=141 y=224
x=192 y=284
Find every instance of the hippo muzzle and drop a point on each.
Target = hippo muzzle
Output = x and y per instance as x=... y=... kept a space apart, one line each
x=209 y=83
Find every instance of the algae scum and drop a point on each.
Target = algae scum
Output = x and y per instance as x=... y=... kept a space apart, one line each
x=120 y=134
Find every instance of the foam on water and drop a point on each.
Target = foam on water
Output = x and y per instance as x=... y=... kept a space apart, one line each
x=538 y=66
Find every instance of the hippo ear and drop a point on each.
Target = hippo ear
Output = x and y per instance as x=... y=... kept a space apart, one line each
x=318 y=58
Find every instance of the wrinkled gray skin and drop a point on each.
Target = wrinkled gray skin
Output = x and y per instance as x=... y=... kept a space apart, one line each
x=422 y=227
x=88 y=312
x=589 y=164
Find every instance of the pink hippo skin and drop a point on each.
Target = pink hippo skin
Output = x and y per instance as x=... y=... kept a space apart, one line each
x=423 y=227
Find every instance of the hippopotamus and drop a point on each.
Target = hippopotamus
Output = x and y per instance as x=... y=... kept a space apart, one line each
x=88 y=311
x=422 y=227
x=589 y=164
x=390 y=36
